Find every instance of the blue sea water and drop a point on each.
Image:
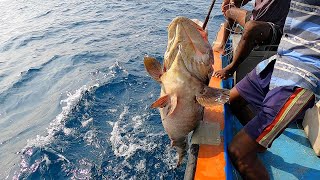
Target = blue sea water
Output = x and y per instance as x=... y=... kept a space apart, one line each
x=74 y=95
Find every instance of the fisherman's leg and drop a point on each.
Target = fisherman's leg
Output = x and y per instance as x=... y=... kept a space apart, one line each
x=233 y=15
x=219 y=44
x=282 y=105
x=238 y=15
x=246 y=98
x=243 y=154
x=239 y=107
x=255 y=32
x=243 y=148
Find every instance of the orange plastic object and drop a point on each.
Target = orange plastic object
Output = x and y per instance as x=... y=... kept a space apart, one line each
x=211 y=159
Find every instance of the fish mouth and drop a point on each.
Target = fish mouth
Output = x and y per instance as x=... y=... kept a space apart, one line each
x=186 y=32
x=187 y=38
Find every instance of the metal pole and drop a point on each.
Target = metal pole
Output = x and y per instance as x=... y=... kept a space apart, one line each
x=208 y=15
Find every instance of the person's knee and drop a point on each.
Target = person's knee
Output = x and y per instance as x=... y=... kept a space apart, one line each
x=257 y=32
x=250 y=29
x=229 y=13
x=235 y=97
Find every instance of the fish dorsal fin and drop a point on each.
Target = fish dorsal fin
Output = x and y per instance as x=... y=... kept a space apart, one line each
x=213 y=96
x=170 y=101
x=153 y=67
x=161 y=102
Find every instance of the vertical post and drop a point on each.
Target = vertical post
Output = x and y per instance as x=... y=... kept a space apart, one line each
x=208 y=15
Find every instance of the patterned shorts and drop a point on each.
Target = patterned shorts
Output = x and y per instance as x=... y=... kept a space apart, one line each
x=275 y=108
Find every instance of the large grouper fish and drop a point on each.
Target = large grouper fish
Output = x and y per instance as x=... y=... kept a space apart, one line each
x=184 y=77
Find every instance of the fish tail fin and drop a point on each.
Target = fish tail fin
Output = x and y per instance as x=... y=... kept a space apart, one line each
x=181 y=147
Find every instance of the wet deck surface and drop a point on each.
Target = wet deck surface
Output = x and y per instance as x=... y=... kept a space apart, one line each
x=290 y=156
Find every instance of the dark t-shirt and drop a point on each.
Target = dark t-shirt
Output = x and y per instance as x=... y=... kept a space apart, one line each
x=274 y=11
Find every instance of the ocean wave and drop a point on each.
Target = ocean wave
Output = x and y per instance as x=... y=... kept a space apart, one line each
x=39 y=156
x=101 y=132
x=43 y=14
x=57 y=124
x=90 y=57
x=25 y=77
x=29 y=39
x=127 y=138
x=35 y=161
x=73 y=124
x=89 y=23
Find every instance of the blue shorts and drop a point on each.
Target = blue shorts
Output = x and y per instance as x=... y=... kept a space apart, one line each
x=275 y=108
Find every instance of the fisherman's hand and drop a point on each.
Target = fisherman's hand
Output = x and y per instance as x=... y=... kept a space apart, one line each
x=224 y=73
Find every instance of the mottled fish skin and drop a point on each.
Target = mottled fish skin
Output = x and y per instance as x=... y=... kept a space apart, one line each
x=187 y=64
x=188 y=37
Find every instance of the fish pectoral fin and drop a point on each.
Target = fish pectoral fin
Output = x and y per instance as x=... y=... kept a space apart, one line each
x=153 y=67
x=174 y=102
x=166 y=100
x=161 y=102
x=213 y=96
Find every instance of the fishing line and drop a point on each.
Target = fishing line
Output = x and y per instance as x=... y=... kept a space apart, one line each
x=232 y=29
x=261 y=13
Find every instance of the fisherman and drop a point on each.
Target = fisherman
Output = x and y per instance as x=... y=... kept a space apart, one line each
x=262 y=26
x=280 y=88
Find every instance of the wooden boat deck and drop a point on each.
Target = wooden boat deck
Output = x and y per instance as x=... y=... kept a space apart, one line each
x=290 y=157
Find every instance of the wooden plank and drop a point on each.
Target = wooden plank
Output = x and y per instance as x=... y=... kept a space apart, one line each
x=211 y=162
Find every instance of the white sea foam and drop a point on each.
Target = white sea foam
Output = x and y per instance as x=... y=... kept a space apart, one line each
x=68 y=131
x=137 y=121
x=141 y=166
x=170 y=157
x=110 y=123
x=91 y=138
x=112 y=70
x=112 y=110
x=85 y=123
x=83 y=171
x=57 y=124
x=125 y=138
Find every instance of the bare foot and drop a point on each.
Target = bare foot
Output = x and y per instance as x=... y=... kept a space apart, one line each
x=219 y=47
x=222 y=38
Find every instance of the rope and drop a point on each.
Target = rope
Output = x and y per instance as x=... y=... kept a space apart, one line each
x=231 y=29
